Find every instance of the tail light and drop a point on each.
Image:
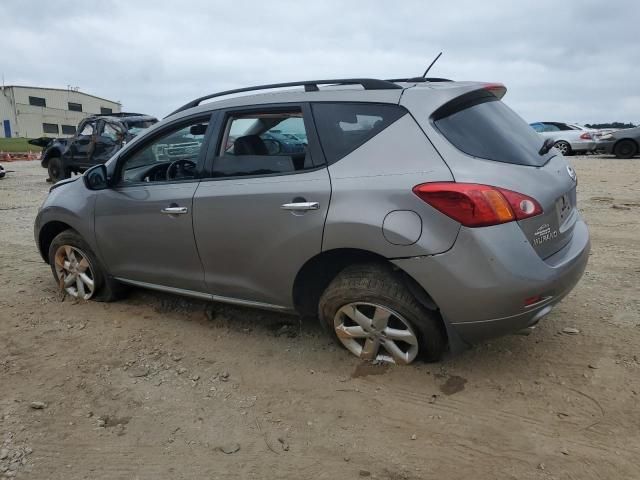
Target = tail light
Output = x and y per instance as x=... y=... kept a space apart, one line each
x=475 y=205
x=586 y=136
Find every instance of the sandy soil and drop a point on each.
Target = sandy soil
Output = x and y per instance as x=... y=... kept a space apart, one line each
x=156 y=387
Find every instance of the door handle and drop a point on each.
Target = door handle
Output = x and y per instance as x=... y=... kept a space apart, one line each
x=300 y=206
x=174 y=210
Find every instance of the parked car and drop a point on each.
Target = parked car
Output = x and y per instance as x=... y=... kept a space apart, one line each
x=569 y=139
x=623 y=143
x=411 y=223
x=97 y=138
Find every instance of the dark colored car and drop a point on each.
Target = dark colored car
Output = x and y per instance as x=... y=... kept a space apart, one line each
x=97 y=138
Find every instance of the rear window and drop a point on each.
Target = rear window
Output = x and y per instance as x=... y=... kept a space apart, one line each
x=484 y=127
x=343 y=127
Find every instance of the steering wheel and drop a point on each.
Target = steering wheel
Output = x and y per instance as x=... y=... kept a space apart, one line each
x=180 y=169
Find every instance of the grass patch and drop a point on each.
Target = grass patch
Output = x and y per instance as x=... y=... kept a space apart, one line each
x=17 y=145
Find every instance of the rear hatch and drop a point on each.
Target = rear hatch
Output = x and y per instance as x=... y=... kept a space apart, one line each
x=483 y=141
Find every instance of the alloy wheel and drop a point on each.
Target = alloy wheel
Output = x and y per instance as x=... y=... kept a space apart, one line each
x=375 y=332
x=74 y=272
x=563 y=147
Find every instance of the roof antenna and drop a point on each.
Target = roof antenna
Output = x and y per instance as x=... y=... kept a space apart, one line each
x=424 y=75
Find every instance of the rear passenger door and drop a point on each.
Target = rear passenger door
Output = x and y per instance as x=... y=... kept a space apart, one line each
x=108 y=141
x=259 y=216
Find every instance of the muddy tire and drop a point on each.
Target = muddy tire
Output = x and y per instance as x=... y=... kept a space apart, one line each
x=76 y=269
x=369 y=311
x=56 y=170
x=625 y=149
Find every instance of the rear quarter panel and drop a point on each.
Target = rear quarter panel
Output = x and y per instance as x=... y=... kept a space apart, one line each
x=377 y=178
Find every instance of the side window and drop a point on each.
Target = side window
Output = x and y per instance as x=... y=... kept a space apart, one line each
x=263 y=143
x=171 y=157
x=112 y=132
x=87 y=129
x=538 y=127
x=548 y=127
x=343 y=127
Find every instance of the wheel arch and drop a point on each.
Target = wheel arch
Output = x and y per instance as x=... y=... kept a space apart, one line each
x=316 y=274
x=50 y=153
x=47 y=233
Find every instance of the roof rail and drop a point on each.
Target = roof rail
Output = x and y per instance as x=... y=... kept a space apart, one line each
x=118 y=114
x=420 y=79
x=309 y=86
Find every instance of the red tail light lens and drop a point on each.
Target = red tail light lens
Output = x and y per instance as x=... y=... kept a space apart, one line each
x=475 y=205
x=586 y=136
x=498 y=89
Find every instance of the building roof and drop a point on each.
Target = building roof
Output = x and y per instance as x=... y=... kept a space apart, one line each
x=61 y=90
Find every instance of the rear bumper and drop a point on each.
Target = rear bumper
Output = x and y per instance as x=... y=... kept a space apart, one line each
x=481 y=284
x=583 y=146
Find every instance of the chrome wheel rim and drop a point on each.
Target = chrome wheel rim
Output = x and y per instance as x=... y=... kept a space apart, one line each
x=74 y=272
x=375 y=332
x=563 y=147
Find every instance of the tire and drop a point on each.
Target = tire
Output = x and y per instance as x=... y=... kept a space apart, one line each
x=564 y=147
x=104 y=289
x=56 y=170
x=372 y=290
x=625 y=149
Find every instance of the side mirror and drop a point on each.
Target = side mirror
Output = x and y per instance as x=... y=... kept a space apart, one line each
x=197 y=130
x=96 y=178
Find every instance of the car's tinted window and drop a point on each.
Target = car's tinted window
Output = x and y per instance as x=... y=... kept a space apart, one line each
x=550 y=127
x=487 y=128
x=343 y=127
x=263 y=143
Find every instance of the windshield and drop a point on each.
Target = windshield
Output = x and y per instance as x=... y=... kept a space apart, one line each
x=135 y=127
x=486 y=128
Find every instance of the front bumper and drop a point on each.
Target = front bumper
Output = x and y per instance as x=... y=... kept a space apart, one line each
x=605 y=146
x=481 y=284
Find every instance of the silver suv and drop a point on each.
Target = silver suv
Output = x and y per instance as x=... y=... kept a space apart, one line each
x=413 y=216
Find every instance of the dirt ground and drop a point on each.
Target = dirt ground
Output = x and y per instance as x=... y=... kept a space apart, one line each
x=159 y=387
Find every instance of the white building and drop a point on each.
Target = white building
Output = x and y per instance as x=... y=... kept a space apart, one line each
x=33 y=112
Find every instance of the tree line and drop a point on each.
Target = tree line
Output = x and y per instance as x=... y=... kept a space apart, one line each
x=610 y=125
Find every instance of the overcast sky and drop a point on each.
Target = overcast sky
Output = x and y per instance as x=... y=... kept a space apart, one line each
x=575 y=61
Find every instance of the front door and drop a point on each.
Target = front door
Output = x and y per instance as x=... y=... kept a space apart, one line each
x=81 y=146
x=260 y=215
x=144 y=223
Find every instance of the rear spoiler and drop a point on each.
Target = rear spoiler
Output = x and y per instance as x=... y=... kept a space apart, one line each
x=486 y=93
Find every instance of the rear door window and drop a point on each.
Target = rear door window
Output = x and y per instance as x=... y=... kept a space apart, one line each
x=343 y=127
x=485 y=127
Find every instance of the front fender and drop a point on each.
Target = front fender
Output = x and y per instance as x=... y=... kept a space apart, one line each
x=70 y=205
x=47 y=154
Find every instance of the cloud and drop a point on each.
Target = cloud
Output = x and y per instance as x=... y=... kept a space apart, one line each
x=572 y=61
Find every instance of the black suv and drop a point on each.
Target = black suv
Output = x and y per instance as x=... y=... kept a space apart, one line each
x=97 y=138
